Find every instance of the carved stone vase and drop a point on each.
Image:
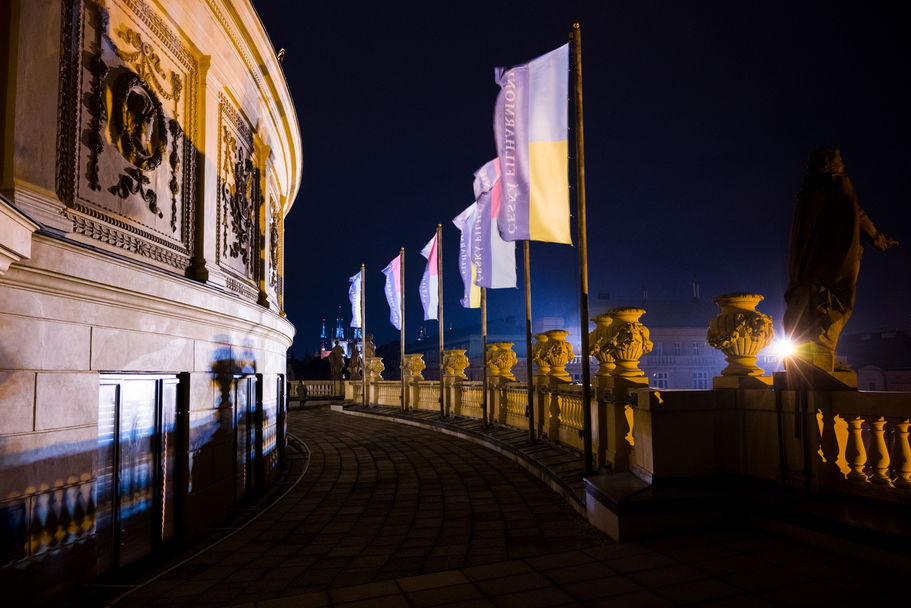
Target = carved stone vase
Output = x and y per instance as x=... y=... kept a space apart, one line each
x=414 y=365
x=375 y=368
x=556 y=353
x=537 y=355
x=626 y=340
x=504 y=358
x=489 y=360
x=740 y=332
x=454 y=363
x=598 y=345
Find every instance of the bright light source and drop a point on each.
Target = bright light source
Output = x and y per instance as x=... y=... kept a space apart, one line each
x=784 y=348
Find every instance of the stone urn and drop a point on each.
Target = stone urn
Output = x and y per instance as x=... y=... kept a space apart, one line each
x=503 y=357
x=375 y=368
x=454 y=363
x=556 y=353
x=414 y=365
x=740 y=332
x=537 y=354
x=492 y=370
x=626 y=341
x=598 y=345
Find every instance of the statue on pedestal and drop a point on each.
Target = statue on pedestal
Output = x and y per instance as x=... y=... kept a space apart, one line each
x=825 y=251
x=354 y=364
x=336 y=361
x=369 y=347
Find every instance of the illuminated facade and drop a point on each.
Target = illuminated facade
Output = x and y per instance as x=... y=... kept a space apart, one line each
x=149 y=153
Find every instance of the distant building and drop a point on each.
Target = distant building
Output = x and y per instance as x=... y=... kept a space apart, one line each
x=340 y=334
x=882 y=360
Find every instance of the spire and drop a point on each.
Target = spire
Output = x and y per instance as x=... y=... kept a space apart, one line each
x=339 y=327
x=323 y=338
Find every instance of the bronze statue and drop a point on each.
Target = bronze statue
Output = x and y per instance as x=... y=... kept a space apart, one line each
x=825 y=251
x=336 y=361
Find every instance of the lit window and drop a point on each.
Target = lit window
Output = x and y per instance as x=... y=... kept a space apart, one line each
x=660 y=379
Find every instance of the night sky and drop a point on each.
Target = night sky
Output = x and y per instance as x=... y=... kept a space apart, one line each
x=699 y=117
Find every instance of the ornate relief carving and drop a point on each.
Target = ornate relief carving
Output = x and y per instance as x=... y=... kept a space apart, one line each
x=240 y=195
x=119 y=63
x=107 y=234
x=98 y=113
x=240 y=288
x=274 y=246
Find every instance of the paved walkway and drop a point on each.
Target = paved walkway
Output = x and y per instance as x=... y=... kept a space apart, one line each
x=391 y=515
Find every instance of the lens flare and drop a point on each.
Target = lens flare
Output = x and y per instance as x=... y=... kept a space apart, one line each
x=784 y=347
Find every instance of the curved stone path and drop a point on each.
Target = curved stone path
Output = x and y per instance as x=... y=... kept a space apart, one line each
x=391 y=515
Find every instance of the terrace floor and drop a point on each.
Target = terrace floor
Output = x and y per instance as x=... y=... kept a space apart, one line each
x=381 y=512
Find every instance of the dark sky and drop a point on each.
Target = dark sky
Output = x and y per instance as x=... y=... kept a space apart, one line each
x=699 y=117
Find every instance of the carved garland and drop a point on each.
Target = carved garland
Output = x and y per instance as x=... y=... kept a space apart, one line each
x=274 y=245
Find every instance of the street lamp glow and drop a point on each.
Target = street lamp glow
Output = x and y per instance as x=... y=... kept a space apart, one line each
x=784 y=347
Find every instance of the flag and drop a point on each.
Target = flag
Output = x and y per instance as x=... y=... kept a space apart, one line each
x=494 y=258
x=354 y=296
x=394 y=291
x=430 y=294
x=530 y=127
x=465 y=223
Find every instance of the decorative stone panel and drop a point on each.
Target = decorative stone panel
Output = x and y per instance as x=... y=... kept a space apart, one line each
x=126 y=162
x=239 y=199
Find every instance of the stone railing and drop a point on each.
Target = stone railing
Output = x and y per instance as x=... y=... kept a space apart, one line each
x=425 y=395
x=314 y=389
x=564 y=421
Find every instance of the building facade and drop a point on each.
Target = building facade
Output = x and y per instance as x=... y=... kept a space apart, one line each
x=149 y=153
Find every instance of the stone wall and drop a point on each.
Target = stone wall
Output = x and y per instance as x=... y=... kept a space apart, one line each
x=149 y=153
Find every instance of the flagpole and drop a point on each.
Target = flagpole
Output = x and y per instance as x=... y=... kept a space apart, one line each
x=576 y=38
x=364 y=334
x=484 y=353
x=530 y=381
x=402 y=322
x=440 y=309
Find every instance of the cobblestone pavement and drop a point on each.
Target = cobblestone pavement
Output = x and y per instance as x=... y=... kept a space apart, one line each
x=392 y=515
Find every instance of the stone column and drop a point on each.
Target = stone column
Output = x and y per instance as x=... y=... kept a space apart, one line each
x=375 y=367
x=740 y=332
x=541 y=382
x=496 y=413
x=414 y=365
x=598 y=348
x=454 y=364
x=556 y=353
x=626 y=340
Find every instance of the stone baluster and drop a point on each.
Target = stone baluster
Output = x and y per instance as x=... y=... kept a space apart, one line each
x=855 y=453
x=901 y=454
x=879 y=452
